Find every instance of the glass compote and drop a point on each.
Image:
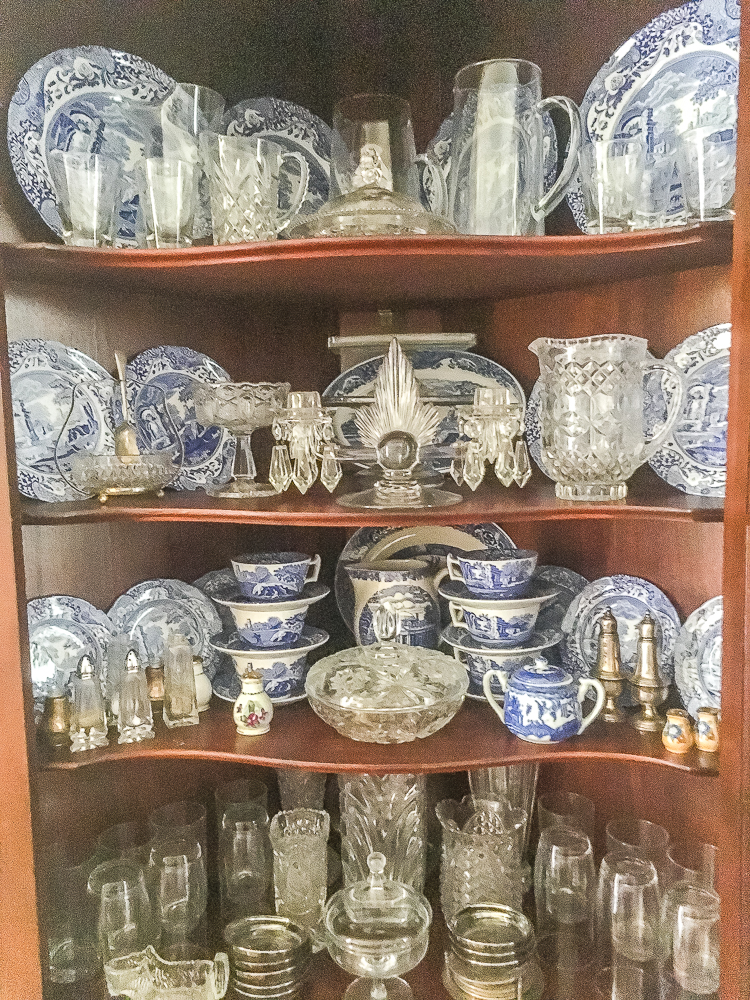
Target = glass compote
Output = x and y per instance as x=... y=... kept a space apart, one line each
x=240 y=407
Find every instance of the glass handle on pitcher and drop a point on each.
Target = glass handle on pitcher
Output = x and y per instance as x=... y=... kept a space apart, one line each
x=556 y=193
x=285 y=218
x=674 y=391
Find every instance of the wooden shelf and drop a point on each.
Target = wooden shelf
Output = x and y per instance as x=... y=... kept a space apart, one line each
x=474 y=738
x=379 y=270
x=650 y=497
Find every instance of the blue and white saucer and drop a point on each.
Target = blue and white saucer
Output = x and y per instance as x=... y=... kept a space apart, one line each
x=90 y=99
x=456 y=590
x=697 y=657
x=208 y=452
x=311 y=593
x=479 y=657
x=568 y=584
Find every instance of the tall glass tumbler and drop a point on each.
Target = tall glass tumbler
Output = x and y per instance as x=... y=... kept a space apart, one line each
x=88 y=190
x=245 y=864
x=299 y=839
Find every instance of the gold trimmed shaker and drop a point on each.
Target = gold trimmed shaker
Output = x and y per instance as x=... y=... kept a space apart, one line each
x=650 y=688
x=608 y=665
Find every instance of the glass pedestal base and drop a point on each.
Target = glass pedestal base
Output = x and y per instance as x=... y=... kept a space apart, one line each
x=242 y=489
x=373 y=500
x=379 y=989
x=591 y=491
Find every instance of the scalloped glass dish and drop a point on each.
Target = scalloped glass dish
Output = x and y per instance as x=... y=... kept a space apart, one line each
x=112 y=475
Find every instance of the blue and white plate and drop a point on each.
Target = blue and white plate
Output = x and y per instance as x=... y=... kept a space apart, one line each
x=568 y=584
x=294 y=128
x=443 y=376
x=481 y=657
x=89 y=99
x=678 y=72
x=61 y=630
x=697 y=657
x=630 y=598
x=534 y=427
x=219 y=583
x=208 y=451
x=43 y=376
x=693 y=458
x=149 y=611
x=370 y=544
x=311 y=593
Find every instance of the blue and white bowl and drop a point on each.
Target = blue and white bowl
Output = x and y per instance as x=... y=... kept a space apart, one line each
x=278 y=625
x=479 y=658
x=283 y=670
x=275 y=576
x=494 y=573
x=503 y=623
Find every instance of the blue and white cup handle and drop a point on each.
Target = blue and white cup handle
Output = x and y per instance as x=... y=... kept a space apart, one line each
x=457 y=614
x=584 y=685
x=502 y=677
x=459 y=655
x=454 y=568
x=313 y=570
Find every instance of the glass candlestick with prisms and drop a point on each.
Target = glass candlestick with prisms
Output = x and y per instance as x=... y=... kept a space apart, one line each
x=491 y=424
x=306 y=429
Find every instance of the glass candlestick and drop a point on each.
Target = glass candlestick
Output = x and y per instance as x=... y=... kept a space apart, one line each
x=308 y=429
x=491 y=424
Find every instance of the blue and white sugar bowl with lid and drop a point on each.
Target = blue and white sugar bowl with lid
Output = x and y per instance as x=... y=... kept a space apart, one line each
x=543 y=703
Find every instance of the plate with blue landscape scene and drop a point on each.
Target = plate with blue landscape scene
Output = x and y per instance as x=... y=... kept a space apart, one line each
x=697 y=657
x=678 y=72
x=208 y=452
x=90 y=99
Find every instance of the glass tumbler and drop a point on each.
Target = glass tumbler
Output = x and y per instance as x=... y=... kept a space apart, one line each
x=690 y=942
x=299 y=839
x=566 y=809
x=611 y=175
x=245 y=865
x=627 y=909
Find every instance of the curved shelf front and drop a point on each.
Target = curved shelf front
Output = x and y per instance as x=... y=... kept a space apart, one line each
x=474 y=738
x=379 y=270
x=649 y=497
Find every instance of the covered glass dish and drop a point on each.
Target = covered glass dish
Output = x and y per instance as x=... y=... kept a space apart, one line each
x=387 y=692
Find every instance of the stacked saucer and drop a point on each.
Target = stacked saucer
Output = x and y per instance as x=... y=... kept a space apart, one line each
x=268 y=957
x=269 y=600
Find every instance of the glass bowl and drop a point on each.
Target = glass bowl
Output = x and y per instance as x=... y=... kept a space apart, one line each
x=113 y=475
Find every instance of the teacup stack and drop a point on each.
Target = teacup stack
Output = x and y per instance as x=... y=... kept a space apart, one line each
x=269 y=605
x=494 y=604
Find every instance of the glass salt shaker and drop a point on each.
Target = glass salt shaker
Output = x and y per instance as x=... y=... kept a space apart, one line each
x=135 y=719
x=180 y=704
x=88 y=720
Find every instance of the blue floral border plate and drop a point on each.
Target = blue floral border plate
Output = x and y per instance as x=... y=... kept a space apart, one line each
x=697 y=657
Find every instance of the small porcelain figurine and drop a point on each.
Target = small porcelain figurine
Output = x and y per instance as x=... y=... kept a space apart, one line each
x=677 y=735
x=88 y=721
x=707 y=729
x=253 y=709
x=135 y=717
x=203 y=689
x=543 y=702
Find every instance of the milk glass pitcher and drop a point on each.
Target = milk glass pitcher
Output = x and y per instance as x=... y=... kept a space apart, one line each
x=591 y=412
x=497 y=149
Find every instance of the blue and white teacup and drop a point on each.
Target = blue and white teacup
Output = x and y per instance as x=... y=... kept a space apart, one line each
x=505 y=623
x=283 y=670
x=478 y=659
x=494 y=573
x=263 y=625
x=275 y=576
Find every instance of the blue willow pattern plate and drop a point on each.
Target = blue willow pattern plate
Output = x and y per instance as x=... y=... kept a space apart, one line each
x=93 y=100
x=568 y=584
x=61 y=630
x=43 y=376
x=444 y=375
x=294 y=128
x=148 y=612
x=370 y=544
x=208 y=452
x=697 y=657
x=693 y=458
x=678 y=72
x=630 y=598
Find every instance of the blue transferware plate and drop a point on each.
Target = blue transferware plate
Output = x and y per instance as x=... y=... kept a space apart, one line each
x=568 y=584
x=148 y=612
x=219 y=583
x=697 y=657
x=371 y=544
x=297 y=130
x=678 y=72
x=534 y=427
x=630 y=598
x=61 y=630
x=89 y=99
x=693 y=458
x=43 y=376
x=443 y=376
x=208 y=451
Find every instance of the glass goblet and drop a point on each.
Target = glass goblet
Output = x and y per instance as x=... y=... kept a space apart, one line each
x=241 y=408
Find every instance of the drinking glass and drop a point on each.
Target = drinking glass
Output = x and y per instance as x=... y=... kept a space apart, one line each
x=183 y=820
x=513 y=783
x=300 y=789
x=70 y=915
x=168 y=193
x=566 y=809
x=639 y=837
x=239 y=790
x=624 y=980
x=180 y=887
x=691 y=861
x=707 y=158
x=627 y=909
x=88 y=189
x=611 y=172
x=690 y=941
x=245 y=866
x=652 y=208
x=564 y=880
x=299 y=840
x=129 y=840
x=125 y=922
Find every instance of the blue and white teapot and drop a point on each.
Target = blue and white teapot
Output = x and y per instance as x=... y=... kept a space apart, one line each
x=543 y=703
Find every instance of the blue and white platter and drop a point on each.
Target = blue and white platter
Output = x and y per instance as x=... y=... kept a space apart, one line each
x=568 y=585
x=443 y=376
x=697 y=657
x=219 y=583
x=678 y=72
x=630 y=598
x=61 y=630
x=370 y=544
x=294 y=128
x=693 y=457
x=89 y=99
x=148 y=612
x=208 y=451
x=43 y=377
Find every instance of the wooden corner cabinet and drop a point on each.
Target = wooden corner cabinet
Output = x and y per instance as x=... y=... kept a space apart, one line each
x=264 y=311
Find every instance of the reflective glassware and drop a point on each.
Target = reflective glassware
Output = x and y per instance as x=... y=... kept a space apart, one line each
x=180 y=887
x=145 y=974
x=300 y=864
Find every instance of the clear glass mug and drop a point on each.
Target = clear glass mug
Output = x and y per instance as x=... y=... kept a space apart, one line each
x=592 y=412
x=497 y=149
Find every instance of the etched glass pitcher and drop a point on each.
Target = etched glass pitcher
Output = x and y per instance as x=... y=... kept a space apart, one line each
x=592 y=412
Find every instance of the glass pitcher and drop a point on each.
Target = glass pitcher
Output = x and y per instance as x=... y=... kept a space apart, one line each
x=497 y=149
x=592 y=412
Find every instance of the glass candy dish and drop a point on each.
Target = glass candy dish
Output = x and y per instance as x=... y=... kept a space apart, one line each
x=386 y=692
x=145 y=974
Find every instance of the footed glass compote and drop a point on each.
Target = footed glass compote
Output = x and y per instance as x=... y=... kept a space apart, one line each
x=240 y=407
